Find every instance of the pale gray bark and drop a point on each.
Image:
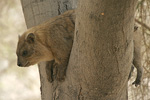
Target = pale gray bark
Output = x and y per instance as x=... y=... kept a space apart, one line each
x=38 y=11
x=101 y=57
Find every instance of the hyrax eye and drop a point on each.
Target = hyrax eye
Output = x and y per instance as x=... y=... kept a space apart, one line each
x=24 y=53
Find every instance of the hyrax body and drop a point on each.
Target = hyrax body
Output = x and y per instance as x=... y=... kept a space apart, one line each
x=49 y=41
x=53 y=40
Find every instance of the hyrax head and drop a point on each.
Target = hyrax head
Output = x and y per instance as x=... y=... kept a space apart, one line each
x=31 y=50
x=26 y=50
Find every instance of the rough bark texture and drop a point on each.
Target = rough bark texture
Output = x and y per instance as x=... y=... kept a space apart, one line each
x=101 y=56
x=38 y=11
x=104 y=48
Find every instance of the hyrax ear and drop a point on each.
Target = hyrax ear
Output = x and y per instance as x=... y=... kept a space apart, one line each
x=30 y=38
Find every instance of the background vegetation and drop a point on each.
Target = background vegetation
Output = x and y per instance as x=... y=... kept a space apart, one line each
x=142 y=19
x=23 y=83
x=15 y=83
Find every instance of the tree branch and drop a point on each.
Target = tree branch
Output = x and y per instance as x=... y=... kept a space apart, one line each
x=142 y=24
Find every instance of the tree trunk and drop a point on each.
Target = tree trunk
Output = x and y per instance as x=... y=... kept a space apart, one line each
x=103 y=48
x=102 y=51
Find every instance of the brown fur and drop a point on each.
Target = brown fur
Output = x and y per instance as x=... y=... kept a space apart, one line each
x=53 y=40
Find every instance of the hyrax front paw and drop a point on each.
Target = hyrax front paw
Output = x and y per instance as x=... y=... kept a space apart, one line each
x=50 y=79
x=49 y=71
x=60 y=76
x=60 y=73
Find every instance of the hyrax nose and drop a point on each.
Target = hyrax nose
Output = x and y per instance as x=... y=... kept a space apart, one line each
x=19 y=64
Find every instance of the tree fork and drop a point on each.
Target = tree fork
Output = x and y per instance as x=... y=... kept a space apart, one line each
x=101 y=58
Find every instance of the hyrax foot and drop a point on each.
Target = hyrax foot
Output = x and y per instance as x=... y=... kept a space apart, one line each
x=60 y=72
x=49 y=71
x=50 y=79
x=60 y=76
x=136 y=83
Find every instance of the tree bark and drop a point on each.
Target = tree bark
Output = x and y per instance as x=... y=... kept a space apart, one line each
x=102 y=51
x=103 y=48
